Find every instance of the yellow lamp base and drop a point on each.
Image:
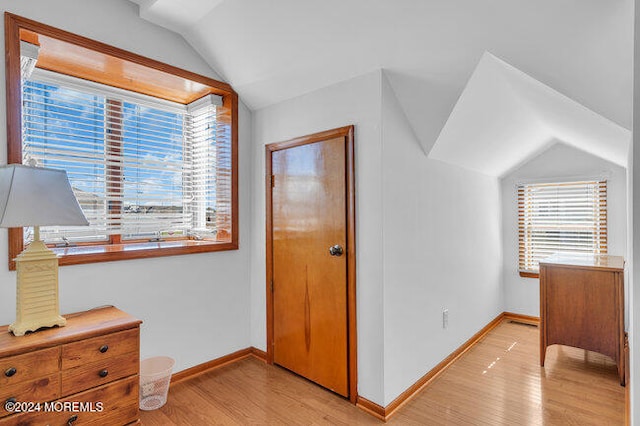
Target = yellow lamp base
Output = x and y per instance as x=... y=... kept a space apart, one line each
x=37 y=303
x=20 y=329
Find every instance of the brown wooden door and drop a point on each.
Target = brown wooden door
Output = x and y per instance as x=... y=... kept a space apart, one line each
x=310 y=294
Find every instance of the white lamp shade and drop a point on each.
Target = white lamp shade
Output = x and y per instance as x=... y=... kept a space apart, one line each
x=35 y=196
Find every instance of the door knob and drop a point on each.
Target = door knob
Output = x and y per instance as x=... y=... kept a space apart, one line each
x=336 y=250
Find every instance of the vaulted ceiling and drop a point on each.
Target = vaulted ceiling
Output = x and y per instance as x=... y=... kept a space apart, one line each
x=274 y=50
x=504 y=118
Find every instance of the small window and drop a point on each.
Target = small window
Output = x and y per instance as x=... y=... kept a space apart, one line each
x=569 y=217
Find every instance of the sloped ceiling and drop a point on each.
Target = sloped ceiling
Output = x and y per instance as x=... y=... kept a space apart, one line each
x=274 y=50
x=178 y=16
x=504 y=118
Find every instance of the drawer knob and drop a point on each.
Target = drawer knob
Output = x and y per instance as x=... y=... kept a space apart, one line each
x=72 y=420
x=103 y=373
x=104 y=348
x=10 y=372
x=11 y=400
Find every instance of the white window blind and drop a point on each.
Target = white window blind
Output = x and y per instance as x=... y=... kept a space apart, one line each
x=210 y=192
x=566 y=217
x=64 y=129
x=146 y=185
x=141 y=169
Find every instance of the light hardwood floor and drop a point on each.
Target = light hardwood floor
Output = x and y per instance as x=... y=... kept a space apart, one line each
x=498 y=382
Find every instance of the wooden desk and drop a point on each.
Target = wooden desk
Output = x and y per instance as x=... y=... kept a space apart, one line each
x=582 y=305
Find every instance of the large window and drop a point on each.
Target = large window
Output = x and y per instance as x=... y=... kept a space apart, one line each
x=141 y=168
x=568 y=217
x=150 y=150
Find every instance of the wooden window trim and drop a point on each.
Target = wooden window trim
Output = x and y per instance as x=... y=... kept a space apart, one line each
x=76 y=255
x=92 y=252
x=529 y=274
x=114 y=125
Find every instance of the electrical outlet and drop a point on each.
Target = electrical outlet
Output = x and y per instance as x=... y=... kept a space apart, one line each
x=445 y=318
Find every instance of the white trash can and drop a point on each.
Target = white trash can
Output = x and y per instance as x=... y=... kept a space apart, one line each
x=155 y=376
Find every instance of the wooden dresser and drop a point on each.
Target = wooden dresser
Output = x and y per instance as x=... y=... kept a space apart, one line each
x=582 y=305
x=81 y=374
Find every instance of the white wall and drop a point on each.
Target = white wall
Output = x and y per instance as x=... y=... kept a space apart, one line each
x=558 y=163
x=630 y=294
x=442 y=250
x=419 y=248
x=357 y=102
x=194 y=307
x=634 y=223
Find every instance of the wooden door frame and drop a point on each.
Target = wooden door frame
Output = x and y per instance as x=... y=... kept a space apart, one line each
x=347 y=134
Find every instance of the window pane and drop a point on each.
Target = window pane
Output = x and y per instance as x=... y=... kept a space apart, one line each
x=223 y=184
x=561 y=218
x=209 y=171
x=153 y=174
x=64 y=129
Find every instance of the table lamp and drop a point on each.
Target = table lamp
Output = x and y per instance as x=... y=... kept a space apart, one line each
x=35 y=196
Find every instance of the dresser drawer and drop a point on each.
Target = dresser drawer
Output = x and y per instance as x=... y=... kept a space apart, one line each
x=98 y=348
x=38 y=390
x=37 y=418
x=119 y=401
x=29 y=366
x=118 y=405
x=98 y=373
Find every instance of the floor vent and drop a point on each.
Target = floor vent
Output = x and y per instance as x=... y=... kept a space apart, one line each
x=516 y=322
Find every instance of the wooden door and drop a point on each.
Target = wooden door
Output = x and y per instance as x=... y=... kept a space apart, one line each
x=310 y=251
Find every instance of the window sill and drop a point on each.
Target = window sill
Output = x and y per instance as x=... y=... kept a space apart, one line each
x=106 y=253
x=529 y=274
